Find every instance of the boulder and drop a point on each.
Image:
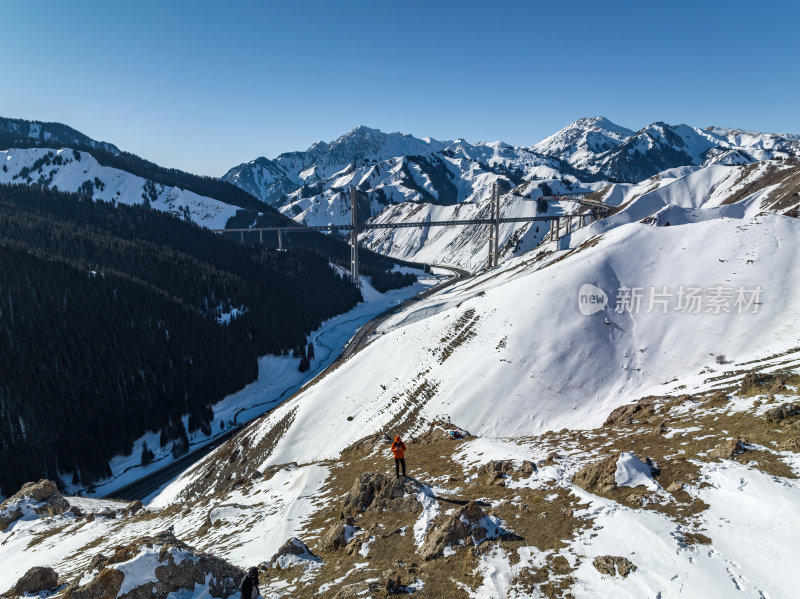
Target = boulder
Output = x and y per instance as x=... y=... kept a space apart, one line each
x=38 y=578
x=338 y=535
x=293 y=553
x=42 y=497
x=158 y=565
x=376 y=492
x=468 y=526
x=728 y=449
x=105 y=585
x=98 y=561
x=527 y=468
x=133 y=507
x=625 y=415
x=598 y=476
x=495 y=468
x=613 y=565
x=781 y=412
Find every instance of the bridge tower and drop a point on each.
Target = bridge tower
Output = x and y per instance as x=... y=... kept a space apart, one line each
x=494 y=228
x=496 y=260
x=354 y=234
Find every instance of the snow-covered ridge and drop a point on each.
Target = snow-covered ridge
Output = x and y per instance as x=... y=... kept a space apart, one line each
x=51 y=134
x=311 y=186
x=73 y=171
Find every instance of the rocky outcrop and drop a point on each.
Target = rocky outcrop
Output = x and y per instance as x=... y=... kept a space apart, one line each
x=293 y=553
x=154 y=567
x=468 y=526
x=757 y=383
x=613 y=565
x=35 y=580
x=105 y=585
x=783 y=411
x=598 y=476
x=338 y=535
x=728 y=449
x=42 y=497
x=644 y=409
x=377 y=492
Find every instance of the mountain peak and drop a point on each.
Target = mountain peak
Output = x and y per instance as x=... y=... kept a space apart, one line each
x=583 y=139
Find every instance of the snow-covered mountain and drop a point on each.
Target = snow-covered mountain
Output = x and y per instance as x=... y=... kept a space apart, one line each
x=769 y=185
x=404 y=177
x=269 y=180
x=78 y=171
x=581 y=142
x=602 y=416
x=49 y=135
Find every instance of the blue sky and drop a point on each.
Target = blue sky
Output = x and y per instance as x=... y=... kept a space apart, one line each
x=203 y=86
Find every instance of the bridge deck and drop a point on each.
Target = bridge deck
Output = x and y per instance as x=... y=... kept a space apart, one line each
x=410 y=224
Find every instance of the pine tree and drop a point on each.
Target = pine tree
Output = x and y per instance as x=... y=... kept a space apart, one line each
x=147 y=454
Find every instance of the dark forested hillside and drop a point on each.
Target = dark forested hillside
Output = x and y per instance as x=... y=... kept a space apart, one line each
x=108 y=326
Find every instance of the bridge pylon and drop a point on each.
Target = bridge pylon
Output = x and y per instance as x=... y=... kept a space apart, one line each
x=354 y=234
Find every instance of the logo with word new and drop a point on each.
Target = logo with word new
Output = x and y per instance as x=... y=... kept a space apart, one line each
x=591 y=299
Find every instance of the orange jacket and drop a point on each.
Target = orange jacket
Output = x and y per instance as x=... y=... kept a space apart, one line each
x=398 y=448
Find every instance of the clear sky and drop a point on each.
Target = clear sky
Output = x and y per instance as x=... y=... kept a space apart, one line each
x=203 y=86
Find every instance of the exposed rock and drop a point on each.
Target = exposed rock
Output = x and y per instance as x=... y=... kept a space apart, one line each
x=105 y=585
x=598 y=476
x=98 y=561
x=38 y=578
x=636 y=499
x=660 y=428
x=782 y=411
x=178 y=567
x=468 y=526
x=728 y=449
x=375 y=492
x=496 y=467
x=358 y=590
x=718 y=398
x=644 y=409
x=613 y=565
x=75 y=511
x=42 y=497
x=9 y=515
x=293 y=553
x=394 y=585
x=133 y=507
x=527 y=468
x=756 y=383
x=675 y=487
x=338 y=535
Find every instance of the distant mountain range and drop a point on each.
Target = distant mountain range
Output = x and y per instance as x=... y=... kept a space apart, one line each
x=391 y=168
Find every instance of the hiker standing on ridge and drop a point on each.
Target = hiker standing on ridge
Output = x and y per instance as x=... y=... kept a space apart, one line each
x=399 y=451
x=249 y=586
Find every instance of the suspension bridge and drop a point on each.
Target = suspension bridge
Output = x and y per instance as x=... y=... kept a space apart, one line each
x=567 y=222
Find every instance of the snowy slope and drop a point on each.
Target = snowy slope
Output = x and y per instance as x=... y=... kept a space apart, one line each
x=752 y=187
x=71 y=170
x=530 y=361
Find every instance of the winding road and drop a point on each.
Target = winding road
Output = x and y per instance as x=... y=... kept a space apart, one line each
x=152 y=482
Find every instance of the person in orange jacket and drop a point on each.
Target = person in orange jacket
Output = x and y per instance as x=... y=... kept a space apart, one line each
x=399 y=451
